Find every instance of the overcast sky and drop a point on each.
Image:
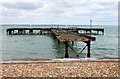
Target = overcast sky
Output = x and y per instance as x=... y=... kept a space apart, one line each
x=59 y=11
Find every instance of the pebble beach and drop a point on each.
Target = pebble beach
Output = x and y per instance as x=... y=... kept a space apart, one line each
x=83 y=68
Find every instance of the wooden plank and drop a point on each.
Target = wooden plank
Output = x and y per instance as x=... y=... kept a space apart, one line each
x=63 y=36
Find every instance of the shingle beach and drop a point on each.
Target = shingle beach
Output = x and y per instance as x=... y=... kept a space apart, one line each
x=83 y=68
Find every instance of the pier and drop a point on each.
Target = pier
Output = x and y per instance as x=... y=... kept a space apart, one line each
x=28 y=31
x=65 y=35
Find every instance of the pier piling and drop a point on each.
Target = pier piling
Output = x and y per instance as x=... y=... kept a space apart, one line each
x=66 y=50
x=88 y=49
x=31 y=31
x=72 y=43
x=10 y=32
x=40 y=32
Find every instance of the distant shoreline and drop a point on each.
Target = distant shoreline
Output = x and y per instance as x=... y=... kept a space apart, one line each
x=52 y=25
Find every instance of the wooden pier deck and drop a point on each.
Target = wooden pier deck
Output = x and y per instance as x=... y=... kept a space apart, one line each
x=21 y=31
x=64 y=35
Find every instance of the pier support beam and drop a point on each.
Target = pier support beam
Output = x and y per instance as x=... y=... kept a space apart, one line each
x=103 y=32
x=98 y=32
x=10 y=32
x=72 y=43
x=90 y=32
x=18 y=31
x=31 y=31
x=24 y=32
x=40 y=32
x=88 y=49
x=59 y=42
x=66 y=50
x=86 y=31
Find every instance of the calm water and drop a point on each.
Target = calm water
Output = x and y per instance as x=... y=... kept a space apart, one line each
x=38 y=47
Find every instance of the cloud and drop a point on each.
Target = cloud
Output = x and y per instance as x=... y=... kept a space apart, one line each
x=60 y=0
x=22 y=5
x=63 y=11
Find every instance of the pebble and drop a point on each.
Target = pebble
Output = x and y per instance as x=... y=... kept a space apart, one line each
x=60 y=69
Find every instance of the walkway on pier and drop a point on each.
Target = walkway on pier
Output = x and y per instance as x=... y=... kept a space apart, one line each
x=21 y=31
x=64 y=35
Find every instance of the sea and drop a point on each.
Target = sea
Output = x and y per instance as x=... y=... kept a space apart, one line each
x=45 y=47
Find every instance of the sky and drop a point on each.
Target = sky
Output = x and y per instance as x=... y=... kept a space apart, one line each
x=101 y=12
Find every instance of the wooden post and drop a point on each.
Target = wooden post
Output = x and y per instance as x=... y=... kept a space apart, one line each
x=90 y=32
x=58 y=41
x=103 y=32
x=66 y=50
x=24 y=32
x=77 y=31
x=98 y=32
x=7 y=31
x=13 y=31
x=86 y=31
x=10 y=32
x=40 y=32
x=31 y=31
x=72 y=43
x=88 y=49
x=20 y=31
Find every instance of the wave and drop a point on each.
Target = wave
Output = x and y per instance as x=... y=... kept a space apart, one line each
x=104 y=48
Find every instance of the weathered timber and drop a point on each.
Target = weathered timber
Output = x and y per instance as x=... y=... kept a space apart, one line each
x=72 y=43
x=64 y=35
x=88 y=45
x=66 y=49
x=67 y=36
x=77 y=30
